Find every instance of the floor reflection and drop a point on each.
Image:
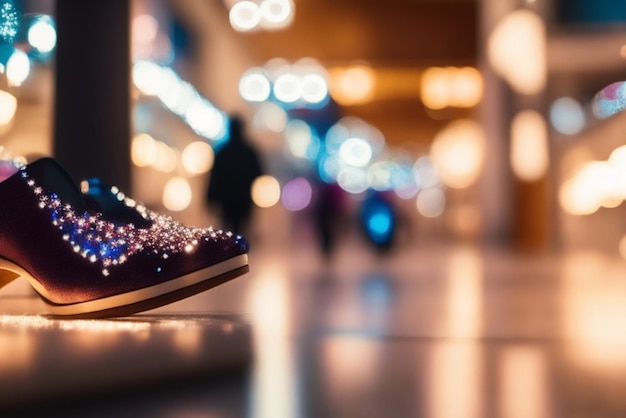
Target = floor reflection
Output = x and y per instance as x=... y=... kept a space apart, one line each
x=523 y=383
x=43 y=358
x=464 y=293
x=274 y=390
x=432 y=333
x=455 y=382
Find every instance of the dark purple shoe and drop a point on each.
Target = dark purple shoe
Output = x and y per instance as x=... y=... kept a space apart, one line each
x=85 y=263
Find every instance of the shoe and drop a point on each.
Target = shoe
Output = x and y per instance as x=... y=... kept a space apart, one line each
x=85 y=262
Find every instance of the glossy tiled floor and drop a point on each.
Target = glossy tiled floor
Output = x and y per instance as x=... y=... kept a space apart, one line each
x=420 y=332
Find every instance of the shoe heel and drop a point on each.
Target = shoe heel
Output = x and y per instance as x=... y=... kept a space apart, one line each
x=7 y=275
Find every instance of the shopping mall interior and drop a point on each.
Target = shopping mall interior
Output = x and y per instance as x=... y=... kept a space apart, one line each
x=426 y=234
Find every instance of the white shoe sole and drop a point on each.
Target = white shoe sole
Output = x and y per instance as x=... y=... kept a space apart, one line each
x=137 y=300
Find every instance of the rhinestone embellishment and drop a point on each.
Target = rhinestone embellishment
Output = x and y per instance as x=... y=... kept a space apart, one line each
x=101 y=241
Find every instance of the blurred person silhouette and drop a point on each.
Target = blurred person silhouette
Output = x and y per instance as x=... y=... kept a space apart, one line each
x=328 y=212
x=236 y=166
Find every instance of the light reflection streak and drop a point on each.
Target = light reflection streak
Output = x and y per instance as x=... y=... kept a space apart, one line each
x=465 y=279
x=36 y=322
x=274 y=391
x=455 y=378
x=352 y=367
x=523 y=384
x=455 y=381
x=594 y=313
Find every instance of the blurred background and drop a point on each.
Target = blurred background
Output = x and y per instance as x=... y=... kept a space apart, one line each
x=435 y=192
x=463 y=119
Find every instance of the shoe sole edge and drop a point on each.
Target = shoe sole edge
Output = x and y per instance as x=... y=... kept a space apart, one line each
x=153 y=296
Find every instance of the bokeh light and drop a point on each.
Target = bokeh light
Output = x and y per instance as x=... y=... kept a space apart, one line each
x=177 y=194
x=328 y=168
x=425 y=173
x=166 y=159
x=467 y=86
x=352 y=85
x=265 y=191
x=144 y=29
x=276 y=14
x=567 y=116
x=287 y=88
x=248 y=15
x=8 y=107
x=303 y=84
x=596 y=184
x=254 y=86
x=435 y=88
x=245 y=16
x=517 y=51
x=314 y=88
x=379 y=175
x=352 y=180
x=458 y=153
x=271 y=117
x=143 y=150
x=296 y=194
x=301 y=140
x=378 y=219
x=17 y=68
x=198 y=157
x=443 y=87
x=529 y=146
x=578 y=198
x=355 y=152
x=205 y=119
x=352 y=127
x=147 y=77
x=181 y=98
x=42 y=35
x=431 y=202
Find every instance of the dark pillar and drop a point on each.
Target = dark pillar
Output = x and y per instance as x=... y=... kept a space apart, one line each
x=92 y=108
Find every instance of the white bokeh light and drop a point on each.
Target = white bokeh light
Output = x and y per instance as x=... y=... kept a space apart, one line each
x=314 y=88
x=355 y=152
x=8 y=107
x=42 y=36
x=245 y=16
x=147 y=77
x=288 y=88
x=567 y=116
x=17 y=68
x=276 y=14
x=254 y=86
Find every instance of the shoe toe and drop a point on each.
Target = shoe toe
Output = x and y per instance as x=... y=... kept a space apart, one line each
x=242 y=244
